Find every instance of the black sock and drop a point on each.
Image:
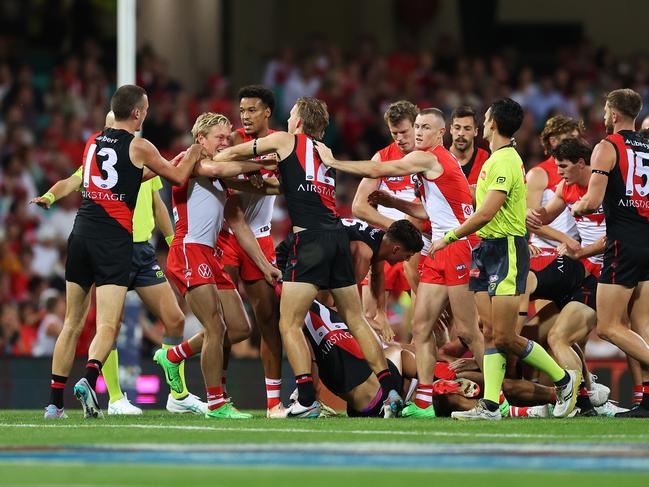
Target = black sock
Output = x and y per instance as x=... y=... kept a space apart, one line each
x=387 y=381
x=93 y=368
x=305 y=389
x=583 y=399
x=563 y=381
x=491 y=405
x=57 y=385
x=644 y=403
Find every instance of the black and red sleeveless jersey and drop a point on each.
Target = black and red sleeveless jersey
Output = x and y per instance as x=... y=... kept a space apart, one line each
x=626 y=201
x=472 y=168
x=309 y=187
x=358 y=230
x=110 y=186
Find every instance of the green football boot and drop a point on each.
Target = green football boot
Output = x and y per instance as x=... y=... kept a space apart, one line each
x=227 y=412
x=172 y=375
x=413 y=411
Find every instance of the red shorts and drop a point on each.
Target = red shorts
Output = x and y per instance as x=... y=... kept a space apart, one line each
x=395 y=278
x=190 y=265
x=592 y=268
x=449 y=266
x=235 y=256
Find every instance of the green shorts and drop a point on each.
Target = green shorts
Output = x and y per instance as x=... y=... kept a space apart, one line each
x=500 y=266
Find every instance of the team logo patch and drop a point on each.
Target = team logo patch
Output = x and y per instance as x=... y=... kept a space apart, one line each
x=159 y=274
x=155 y=267
x=205 y=271
x=501 y=179
x=467 y=210
x=460 y=267
x=493 y=278
x=187 y=273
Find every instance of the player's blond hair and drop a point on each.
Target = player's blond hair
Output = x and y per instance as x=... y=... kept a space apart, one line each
x=206 y=121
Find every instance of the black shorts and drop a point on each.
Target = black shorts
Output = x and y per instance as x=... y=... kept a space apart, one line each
x=98 y=261
x=340 y=370
x=145 y=270
x=587 y=292
x=377 y=410
x=625 y=264
x=320 y=257
x=559 y=280
x=499 y=266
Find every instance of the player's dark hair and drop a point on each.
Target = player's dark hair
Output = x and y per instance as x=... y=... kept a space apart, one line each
x=126 y=99
x=625 y=101
x=314 y=115
x=258 y=91
x=464 y=111
x=399 y=111
x=405 y=234
x=572 y=150
x=508 y=116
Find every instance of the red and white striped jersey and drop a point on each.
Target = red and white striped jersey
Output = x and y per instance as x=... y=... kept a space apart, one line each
x=447 y=198
x=402 y=187
x=258 y=209
x=564 y=222
x=590 y=227
x=198 y=211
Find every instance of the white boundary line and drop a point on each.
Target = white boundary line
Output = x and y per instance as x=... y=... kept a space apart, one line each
x=224 y=429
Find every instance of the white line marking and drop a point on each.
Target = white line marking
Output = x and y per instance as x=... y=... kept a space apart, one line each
x=454 y=434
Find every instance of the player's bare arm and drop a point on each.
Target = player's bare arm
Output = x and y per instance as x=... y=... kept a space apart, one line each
x=415 y=162
x=214 y=169
x=361 y=208
x=144 y=153
x=412 y=208
x=602 y=162
x=161 y=216
x=235 y=217
x=596 y=248
x=537 y=182
x=280 y=142
x=270 y=186
x=493 y=201
x=377 y=291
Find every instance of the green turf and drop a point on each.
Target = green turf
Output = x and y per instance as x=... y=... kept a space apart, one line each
x=27 y=428
x=99 y=476
x=157 y=426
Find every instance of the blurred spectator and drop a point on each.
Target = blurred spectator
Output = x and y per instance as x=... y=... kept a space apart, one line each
x=51 y=325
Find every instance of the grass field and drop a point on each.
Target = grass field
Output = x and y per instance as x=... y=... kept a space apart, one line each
x=159 y=449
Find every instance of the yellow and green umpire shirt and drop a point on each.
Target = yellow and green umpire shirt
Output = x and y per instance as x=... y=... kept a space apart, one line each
x=143 y=217
x=504 y=171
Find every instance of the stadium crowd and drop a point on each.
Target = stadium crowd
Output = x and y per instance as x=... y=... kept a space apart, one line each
x=49 y=112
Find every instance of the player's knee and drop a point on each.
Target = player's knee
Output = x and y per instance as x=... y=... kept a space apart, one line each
x=422 y=334
x=174 y=323
x=555 y=338
x=604 y=332
x=504 y=341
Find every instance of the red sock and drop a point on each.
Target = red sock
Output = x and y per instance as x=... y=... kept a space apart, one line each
x=179 y=353
x=582 y=389
x=501 y=399
x=273 y=387
x=224 y=381
x=637 y=394
x=424 y=395
x=215 y=398
x=518 y=412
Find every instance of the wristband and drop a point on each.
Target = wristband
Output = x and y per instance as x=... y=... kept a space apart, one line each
x=169 y=239
x=49 y=196
x=450 y=237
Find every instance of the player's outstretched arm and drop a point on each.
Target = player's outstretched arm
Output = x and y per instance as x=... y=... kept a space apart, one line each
x=279 y=142
x=60 y=189
x=145 y=153
x=602 y=162
x=412 y=163
x=227 y=169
